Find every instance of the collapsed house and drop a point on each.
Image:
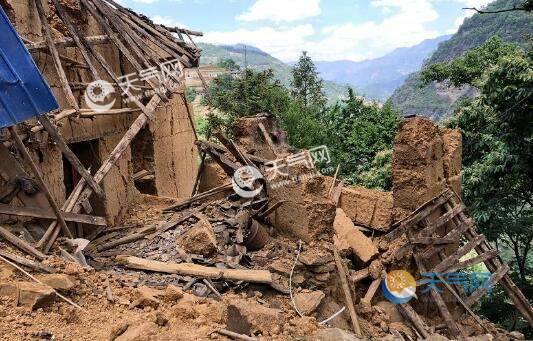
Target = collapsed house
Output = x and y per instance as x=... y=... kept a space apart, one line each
x=131 y=255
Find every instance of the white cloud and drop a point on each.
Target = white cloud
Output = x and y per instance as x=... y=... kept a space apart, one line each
x=405 y=24
x=285 y=44
x=167 y=21
x=281 y=10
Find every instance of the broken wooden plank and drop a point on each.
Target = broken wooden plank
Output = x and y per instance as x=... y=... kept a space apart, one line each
x=201 y=196
x=410 y=314
x=188 y=269
x=36 y=212
x=359 y=275
x=21 y=244
x=236 y=336
x=125 y=240
x=27 y=263
x=443 y=219
x=267 y=137
x=347 y=293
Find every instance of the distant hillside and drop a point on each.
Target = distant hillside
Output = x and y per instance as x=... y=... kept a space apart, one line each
x=378 y=78
x=258 y=59
x=437 y=100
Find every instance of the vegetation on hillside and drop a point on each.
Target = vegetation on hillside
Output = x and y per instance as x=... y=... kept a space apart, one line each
x=259 y=61
x=436 y=101
x=497 y=129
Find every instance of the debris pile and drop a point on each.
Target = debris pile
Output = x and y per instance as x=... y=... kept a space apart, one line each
x=303 y=260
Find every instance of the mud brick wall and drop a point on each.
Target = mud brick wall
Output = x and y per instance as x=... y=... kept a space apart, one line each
x=175 y=158
x=425 y=160
x=175 y=155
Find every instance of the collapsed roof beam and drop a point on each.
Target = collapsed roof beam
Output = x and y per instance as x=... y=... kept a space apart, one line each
x=67 y=42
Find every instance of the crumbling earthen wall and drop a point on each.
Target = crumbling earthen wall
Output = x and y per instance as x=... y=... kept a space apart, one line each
x=175 y=155
x=174 y=148
x=425 y=160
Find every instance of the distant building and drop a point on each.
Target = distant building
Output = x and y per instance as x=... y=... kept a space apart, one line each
x=209 y=72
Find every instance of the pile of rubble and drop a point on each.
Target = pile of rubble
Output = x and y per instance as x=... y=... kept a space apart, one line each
x=300 y=261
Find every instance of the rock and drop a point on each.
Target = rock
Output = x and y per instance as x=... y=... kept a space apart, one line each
x=391 y=310
x=160 y=319
x=58 y=281
x=143 y=331
x=308 y=302
x=200 y=239
x=516 y=335
x=323 y=268
x=375 y=269
x=172 y=293
x=315 y=257
x=31 y=295
x=360 y=244
x=5 y=271
x=342 y=246
x=248 y=316
x=144 y=297
x=334 y=334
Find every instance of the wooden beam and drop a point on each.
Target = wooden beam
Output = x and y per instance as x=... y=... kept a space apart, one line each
x=374 y=286
x=22 y=149
x=21 y=244
x=496 y=277
x=347 y=293
x=67 y=42
x=409 y=313
x=454 y=257
x=47 y=33
x=36 y=212
x=445 y=313
x=187 y=269
x=75 y=36
x=27 y=263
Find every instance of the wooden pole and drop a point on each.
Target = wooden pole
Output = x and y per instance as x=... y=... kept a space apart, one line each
x=22 y=149
x=347 y=293
x=253 y=276
x=21 y=244
x=46 y=30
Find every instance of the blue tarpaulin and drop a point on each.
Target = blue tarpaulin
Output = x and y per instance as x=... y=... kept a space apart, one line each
x=23 y=91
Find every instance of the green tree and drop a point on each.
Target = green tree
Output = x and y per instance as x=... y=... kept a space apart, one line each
x=251 y=93
x=497 y=129
x=356 y=132
x=306 y=85
x=228 y=64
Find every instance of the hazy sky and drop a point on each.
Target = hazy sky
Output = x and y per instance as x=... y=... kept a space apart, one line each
x=327 y=29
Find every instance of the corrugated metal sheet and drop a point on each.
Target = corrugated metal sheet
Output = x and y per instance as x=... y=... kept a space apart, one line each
x=23 y=91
